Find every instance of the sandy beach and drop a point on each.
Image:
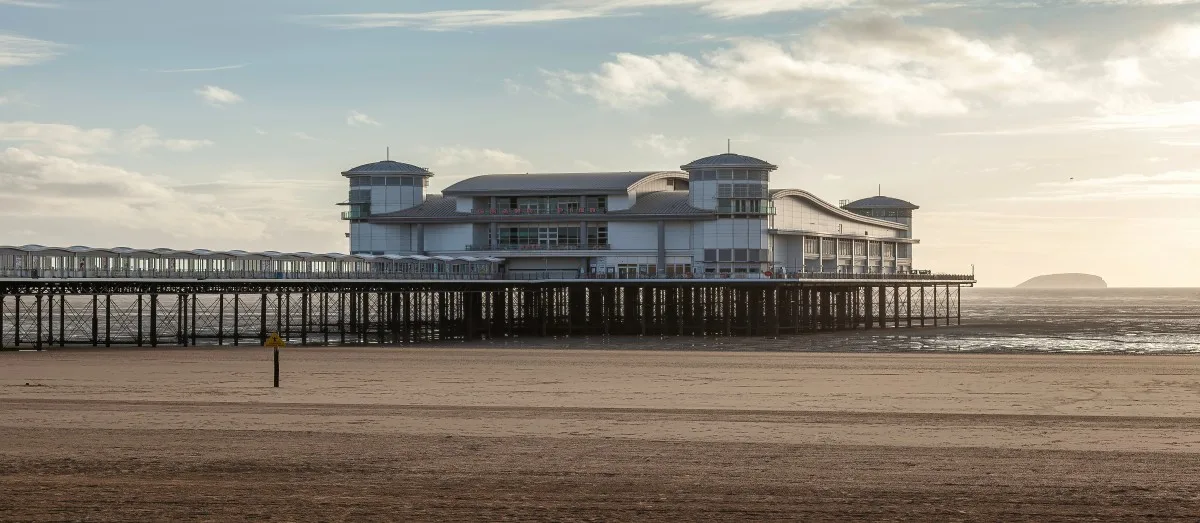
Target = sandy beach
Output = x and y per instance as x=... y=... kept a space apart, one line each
x=510 y=434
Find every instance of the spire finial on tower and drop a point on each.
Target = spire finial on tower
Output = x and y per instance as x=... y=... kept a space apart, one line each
x=729 y=145
x=881 y=189
x=389 y=154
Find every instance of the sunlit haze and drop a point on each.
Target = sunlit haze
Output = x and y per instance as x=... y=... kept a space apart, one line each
x=1037 y=137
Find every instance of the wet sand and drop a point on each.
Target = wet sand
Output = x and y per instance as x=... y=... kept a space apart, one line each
x=506 y=434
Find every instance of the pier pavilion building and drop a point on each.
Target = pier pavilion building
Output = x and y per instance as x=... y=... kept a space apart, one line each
x=716 y=216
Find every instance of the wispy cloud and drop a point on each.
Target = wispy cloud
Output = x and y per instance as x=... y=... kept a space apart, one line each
x=69 y=140
x=567 y=10
x=456 y=19
x=355 y=119
x=459 y=159
x=145 y=137
x=19 y=50
x=302 y=136
x=202 y=69
x=39 y=4
x=1141 y=117
x=663 y=145
x=217 y=96
x=1170 y=185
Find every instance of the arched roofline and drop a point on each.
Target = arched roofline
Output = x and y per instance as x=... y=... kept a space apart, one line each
x=662 y=175
x=838 y=211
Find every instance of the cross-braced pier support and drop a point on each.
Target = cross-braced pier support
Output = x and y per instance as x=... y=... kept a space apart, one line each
x=50 y=313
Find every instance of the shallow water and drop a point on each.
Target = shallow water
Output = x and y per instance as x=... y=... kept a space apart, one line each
x=1138 y=321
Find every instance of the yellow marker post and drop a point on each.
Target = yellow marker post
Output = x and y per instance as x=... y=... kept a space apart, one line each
x=275 y=341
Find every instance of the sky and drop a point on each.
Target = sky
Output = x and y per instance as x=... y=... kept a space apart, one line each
x=1037 y=136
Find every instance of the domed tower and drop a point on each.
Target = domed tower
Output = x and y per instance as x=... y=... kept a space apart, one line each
x=380 y=188
x=712 y=179
x=735 y=187
x=884 y=208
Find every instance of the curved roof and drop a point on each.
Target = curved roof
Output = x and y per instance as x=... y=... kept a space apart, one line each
x=552 y=183
x=387 y=167
x=805 y=195
x=729 y=160
x=880 y=202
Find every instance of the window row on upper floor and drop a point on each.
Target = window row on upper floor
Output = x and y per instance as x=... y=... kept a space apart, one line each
x=730 y=174
x=389 y=181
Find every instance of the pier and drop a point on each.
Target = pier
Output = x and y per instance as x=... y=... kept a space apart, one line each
x=37 y=314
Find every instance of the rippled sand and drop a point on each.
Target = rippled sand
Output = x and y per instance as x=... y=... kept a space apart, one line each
x=493 y=434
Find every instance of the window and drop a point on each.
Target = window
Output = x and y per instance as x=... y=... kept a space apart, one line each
x=739 y=175
x=710 y=255
x=828 y=246
x=599 y=203
x=724 y=174
x=843 y=247
x=392 y=181
x=724 y=255
x=676 y=269
x=377 y=181
x=597 y=235
x=408 y=181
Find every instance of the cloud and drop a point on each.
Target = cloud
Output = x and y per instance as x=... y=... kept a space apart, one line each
x=39 y=4
x=259 y=131
x=69 y=140
x=662 y=145
x=217 y=96
x=355 y=119
x=832 y=177
x=478 y=161
x=570 y=10
x=203 y=69
x=1170 y=185
x=456 y=19
x=1143 y=116
x=73 y=201
x=303 y=136
x=145 y=137
x=865 y=67
x=18 y=50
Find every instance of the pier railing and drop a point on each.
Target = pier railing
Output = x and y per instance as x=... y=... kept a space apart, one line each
x=509 y=275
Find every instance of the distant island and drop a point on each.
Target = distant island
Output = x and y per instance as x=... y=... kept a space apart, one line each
x=1065 y=281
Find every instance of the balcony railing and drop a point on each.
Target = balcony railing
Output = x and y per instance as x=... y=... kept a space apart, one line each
x=541 y=212
x=540 y=247
x=355 y=214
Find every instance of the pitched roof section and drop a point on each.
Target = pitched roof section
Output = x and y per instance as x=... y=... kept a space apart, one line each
x=434 y=206
x=729 y=160
x=387 y=167
x=549 y=183
x=880 y=202
x=663 y=202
